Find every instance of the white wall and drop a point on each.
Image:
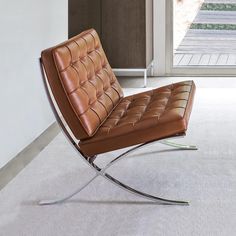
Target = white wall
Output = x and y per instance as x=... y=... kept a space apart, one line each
x=26 y=28
x=159 y=26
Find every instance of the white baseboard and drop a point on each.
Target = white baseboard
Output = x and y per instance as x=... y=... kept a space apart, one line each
x=18 y=163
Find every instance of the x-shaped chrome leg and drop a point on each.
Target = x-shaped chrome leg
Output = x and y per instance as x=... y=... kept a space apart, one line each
x=102 y=172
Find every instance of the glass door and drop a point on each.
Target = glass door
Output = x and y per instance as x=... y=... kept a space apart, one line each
x=201 y=37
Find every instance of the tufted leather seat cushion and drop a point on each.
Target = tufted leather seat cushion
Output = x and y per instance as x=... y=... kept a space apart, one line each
x=144 y=117
x=92 y=103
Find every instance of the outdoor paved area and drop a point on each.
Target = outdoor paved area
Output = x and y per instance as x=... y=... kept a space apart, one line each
x=211 y=39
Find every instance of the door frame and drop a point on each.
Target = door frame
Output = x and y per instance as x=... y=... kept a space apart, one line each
x=163 y=48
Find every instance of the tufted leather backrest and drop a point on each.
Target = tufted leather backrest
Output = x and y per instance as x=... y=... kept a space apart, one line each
x=82 y=82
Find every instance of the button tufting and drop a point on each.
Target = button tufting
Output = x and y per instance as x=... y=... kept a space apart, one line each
x=146 y=106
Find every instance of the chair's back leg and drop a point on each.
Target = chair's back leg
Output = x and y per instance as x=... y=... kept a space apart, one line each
x=178 y=145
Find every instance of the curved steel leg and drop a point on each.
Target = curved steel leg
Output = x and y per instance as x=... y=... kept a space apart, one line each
x=119 y=184
x=144 y=195
x=124 y=155
x=178 y=145
x=165 y=142
x=57 y=201
x=101 y=172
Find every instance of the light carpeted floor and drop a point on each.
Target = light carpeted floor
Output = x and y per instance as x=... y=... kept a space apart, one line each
x=207 y=178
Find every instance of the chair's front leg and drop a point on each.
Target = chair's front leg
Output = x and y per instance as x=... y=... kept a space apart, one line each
x=57 y=201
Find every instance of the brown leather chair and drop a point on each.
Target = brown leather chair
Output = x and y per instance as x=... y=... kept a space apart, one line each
x=99 y=117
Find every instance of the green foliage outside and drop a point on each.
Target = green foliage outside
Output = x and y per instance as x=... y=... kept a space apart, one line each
x=213 y=26
x=218 y=7
x=215 y=7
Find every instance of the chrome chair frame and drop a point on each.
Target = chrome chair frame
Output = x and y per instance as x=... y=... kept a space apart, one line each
x=102 y=171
